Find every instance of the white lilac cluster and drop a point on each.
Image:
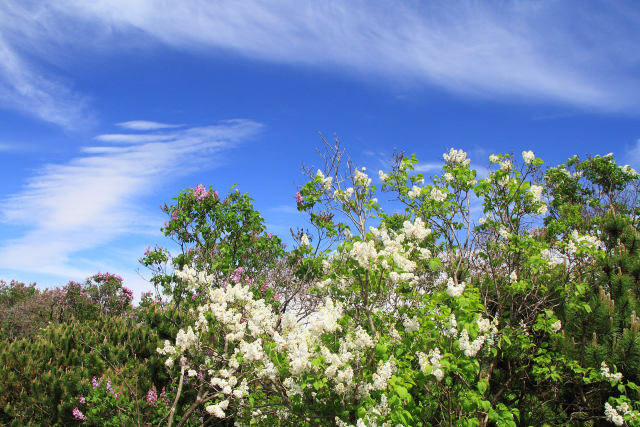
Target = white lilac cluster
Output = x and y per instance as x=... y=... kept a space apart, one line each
x=453 y=290
x=343 y=195
x=552 y=257
x=578 y=242
x=528 y=157
x=304 y=240
x=629 y=170
x=414 y=192
x=364 y=252
x=506 y=164
x=326 y=181
x=432 y=359
x=616 y=415
x=456 y=157
x=217 y=409
x=382 y=376
x=437 y=195
x=383 y=176
x=556 y=326
x=536 y=192
x=612 y=415
x=606 y=373
x=503 y=232
x=361 y=178
x=513 y=277
x=470 y=348
x=411 y=324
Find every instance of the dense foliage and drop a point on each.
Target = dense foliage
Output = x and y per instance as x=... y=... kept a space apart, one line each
x=505 y=299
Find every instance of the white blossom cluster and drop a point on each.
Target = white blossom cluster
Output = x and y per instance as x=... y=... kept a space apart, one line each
x=606 y=373
x=612 y=414
x=578 y=242
x=528 y=157
x=411 y=324
x=453 y=290
x=536 y=192
x=629 y=170
x=432 y=359
x=361 y=178
x=326 y=181
x=456 y=157
x=414 y=192
x=437 y=195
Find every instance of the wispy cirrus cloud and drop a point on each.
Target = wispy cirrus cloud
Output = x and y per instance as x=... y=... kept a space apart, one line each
x=570 y=52
x=146 y=125
x=99 y=195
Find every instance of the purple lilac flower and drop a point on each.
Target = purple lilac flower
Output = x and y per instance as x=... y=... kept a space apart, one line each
x=174 y=215
x=78 y=415
x=200 y=192
x=127 y=293
x=264 y=288
x=237 y=274
x=152 y=397
x=299 y=198
x=95 y=383
x=82 y=400
x=109 y=388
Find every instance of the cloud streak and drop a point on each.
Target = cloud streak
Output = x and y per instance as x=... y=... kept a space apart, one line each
x=98 y=196
x=565 y=52
x=517 y=49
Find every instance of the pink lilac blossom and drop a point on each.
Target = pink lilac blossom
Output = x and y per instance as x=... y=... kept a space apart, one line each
x=109 y=388
x=174 y=215
x=148 y=251
x=152 y=397
x=200 y=192
x=95 y=383
x=78 y=415
x=127 y=293
x=82 y=400
x=299 y=198
x=237 y=274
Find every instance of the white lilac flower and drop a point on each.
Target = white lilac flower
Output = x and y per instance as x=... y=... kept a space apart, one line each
x=513 y=277
x=528 y=156
x=383 y=176
x=494 y=159
x=304 y=240
x=437 y=195
x=506 y=164
x=456 y=157
x=414 y=192
x=411 y=325
x=612 y=415
x=556 y=326
x=536 y=192
x=361 y=178
x=453 y=290
x=604 y=370
x=448 y=177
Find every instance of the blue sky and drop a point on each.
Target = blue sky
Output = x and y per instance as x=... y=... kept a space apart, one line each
x=109 y=108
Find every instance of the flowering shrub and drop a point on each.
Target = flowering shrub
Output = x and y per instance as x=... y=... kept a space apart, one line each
x=428 y=317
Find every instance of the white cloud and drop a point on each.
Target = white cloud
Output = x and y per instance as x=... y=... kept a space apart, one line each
x=560 y=51
x=99 y=195
x=428 y=167
x=567 y=52
x=146 y=125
